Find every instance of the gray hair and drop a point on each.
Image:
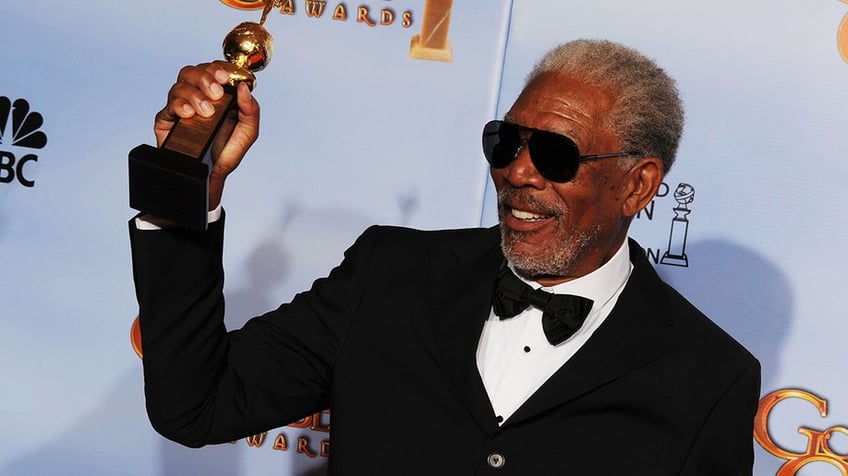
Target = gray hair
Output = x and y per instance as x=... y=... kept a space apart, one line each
x=647 y=112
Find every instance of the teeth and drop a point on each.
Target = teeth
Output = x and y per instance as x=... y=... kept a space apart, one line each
x=524 y=215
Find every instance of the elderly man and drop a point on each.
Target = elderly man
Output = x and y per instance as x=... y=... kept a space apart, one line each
x=547 y=345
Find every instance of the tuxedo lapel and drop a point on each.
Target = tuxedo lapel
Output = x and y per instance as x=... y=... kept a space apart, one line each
x=637 y=331
x=463 y=281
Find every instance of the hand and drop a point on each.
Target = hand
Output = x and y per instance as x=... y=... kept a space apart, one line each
x=190 y=95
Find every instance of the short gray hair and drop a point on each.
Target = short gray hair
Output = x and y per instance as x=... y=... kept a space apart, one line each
x=647 y=112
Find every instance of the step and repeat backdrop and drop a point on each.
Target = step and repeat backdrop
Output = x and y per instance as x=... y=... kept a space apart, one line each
x=372 y=113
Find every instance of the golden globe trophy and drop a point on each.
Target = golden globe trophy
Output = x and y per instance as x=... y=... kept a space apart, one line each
x=171 y=181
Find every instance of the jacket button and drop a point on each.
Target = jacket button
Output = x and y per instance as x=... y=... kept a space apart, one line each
x=496 y=460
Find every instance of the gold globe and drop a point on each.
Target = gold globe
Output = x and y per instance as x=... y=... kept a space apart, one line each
x=249 y=47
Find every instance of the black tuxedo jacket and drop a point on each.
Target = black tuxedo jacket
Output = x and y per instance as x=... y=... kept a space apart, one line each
x=388 y=342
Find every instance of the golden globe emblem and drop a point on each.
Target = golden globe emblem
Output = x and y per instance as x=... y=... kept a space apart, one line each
x=248 y=47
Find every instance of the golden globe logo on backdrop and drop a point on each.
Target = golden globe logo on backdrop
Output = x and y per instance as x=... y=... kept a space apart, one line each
x=818 y=442
x=431 y=43
x=673 y=251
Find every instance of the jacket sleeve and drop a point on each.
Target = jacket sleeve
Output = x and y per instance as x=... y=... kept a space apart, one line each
x=205 y=385
x=725 y=443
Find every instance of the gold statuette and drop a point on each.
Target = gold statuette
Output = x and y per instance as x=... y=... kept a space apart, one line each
x=171 y=181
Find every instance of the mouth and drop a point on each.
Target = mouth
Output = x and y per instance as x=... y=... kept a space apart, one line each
x=521 y=211
x=525 y=215
x=525 y=221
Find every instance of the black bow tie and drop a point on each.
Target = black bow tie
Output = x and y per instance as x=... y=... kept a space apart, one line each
x=562 y=314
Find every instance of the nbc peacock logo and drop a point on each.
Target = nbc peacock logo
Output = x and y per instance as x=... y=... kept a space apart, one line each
x=19 y=129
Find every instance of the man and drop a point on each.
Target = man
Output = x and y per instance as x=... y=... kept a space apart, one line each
x=427 y=329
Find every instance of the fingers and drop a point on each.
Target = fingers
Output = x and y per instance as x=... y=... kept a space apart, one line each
x=193 y=92
x=248 y=112
x=227 y=155
x=195 y=88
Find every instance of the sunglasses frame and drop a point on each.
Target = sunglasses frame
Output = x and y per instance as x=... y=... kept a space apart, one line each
x=545 y=167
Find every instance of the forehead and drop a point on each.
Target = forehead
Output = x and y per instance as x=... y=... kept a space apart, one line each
x=565 y=105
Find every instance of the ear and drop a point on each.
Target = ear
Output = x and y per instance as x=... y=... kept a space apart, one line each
x=643 y=179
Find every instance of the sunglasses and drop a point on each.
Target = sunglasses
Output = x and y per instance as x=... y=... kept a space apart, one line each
x=555 y=156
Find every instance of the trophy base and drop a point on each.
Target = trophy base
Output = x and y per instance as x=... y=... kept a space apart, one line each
x=170 y=185
x=419 y=51
x=675 y=260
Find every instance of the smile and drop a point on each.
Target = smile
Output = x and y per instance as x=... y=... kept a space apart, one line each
x=525 y=215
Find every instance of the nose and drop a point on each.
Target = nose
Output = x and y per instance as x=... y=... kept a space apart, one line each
x=522 y=173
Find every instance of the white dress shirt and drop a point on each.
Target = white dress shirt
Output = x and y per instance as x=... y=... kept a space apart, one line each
x=513 y=356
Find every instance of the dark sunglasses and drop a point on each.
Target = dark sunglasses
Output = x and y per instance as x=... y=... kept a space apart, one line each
x=555 y=156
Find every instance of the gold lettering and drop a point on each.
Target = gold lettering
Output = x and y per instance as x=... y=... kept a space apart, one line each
x=768 y=403
x=386 y=16
x=256 y=440
x=340 y=13
x=325 y=448
x=407 y=20
x=243 y=4
x=315 y=9
x=288 y=7
x=303 y=423
x=280 y=443
x=303 y=446
x=818 y=449
x=792 y=467
x=314 y=422
x=362 y=17
x=318 y=423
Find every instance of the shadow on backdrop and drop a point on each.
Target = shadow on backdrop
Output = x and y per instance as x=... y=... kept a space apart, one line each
x=112 y=439
x=741 y=291
x=301 y=246
x=750 y=298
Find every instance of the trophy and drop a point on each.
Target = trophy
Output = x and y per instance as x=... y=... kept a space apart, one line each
x=171 y=181
x=433 y=43
x=675 y=254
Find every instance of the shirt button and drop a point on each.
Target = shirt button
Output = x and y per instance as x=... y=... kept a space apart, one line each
x=496 y=460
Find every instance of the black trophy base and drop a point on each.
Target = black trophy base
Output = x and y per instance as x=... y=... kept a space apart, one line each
x=169 y=185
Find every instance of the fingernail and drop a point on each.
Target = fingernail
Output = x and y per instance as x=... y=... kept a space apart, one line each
x=216 y=90
x=221 y=76
x=207 y=108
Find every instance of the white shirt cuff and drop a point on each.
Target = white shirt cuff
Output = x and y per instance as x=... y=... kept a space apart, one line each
x=152 y=222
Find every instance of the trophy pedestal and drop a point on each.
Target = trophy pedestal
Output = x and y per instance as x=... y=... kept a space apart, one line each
x=418 y=50
x=169 y=185
x=675 y=254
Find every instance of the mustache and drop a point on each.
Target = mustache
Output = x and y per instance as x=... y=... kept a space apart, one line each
x=520 y=197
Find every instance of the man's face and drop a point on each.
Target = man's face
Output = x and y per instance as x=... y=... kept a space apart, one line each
x=553 y=232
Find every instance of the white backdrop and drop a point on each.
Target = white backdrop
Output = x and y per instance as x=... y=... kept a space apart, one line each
x=357 y=132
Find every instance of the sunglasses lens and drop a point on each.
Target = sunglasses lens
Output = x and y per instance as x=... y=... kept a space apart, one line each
x=500 y=142
x=556 y=157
